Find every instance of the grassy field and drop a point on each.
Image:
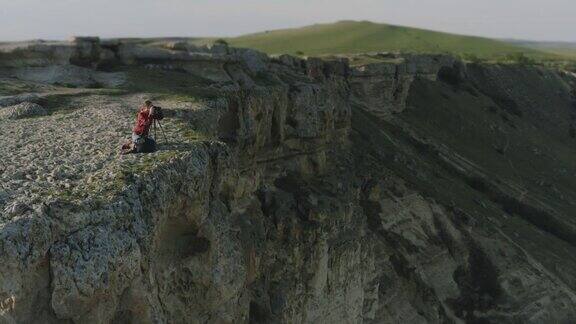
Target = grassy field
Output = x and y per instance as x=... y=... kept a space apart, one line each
x=349 y=37
x=565 y=49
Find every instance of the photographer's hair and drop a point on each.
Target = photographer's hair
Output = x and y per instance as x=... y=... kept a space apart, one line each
x=148 y=103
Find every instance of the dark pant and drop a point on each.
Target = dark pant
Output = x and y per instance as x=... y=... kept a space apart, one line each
x=145 y=145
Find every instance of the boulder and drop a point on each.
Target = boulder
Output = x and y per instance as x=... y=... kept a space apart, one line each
x=255 y=61
x=219 y=49
x=290 y=61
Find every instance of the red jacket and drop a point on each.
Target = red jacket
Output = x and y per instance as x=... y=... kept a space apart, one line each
x=143 y=122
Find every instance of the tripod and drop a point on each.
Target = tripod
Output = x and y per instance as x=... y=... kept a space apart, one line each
x=161 y=129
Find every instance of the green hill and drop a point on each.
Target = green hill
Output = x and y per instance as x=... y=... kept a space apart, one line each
x=349 y=37
x=564 y=49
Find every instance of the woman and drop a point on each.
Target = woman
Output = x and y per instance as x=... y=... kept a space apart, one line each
x=140 y=141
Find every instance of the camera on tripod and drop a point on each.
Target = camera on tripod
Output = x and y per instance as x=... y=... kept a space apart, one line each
x=158 y=113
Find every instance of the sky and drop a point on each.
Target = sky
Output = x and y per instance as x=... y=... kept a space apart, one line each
x=553 y=20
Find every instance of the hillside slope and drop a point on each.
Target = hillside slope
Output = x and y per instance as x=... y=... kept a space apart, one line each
x=564 y=49
x=347 y=37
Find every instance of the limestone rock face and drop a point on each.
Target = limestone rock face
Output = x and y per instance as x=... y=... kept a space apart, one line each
x=301 y=191
x=255 y=61
x=385 y=86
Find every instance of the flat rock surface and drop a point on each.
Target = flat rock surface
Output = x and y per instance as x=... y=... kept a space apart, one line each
x=75 y=147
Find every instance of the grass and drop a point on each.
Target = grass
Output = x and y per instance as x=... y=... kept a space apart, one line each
x=189 y=133
x=352 y=37
x=566 y=50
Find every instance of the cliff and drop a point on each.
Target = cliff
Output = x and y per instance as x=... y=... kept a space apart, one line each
x=403 y=189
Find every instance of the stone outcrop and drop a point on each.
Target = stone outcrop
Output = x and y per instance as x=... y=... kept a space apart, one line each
x=71 y=76
x=319 y=192
x=23 y=110
x=385 y=86
x=6 y=101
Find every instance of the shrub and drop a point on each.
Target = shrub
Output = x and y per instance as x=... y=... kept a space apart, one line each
x=569 y=66
x=473 y=58
x=520 y=58
x=221 y=41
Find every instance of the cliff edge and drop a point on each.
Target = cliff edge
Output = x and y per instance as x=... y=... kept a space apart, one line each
x=377 y=188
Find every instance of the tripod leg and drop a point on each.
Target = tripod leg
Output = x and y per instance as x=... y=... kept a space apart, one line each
x=163 y=133
x=154 y=125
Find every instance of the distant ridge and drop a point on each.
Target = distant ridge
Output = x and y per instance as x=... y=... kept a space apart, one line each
x=349 y=37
